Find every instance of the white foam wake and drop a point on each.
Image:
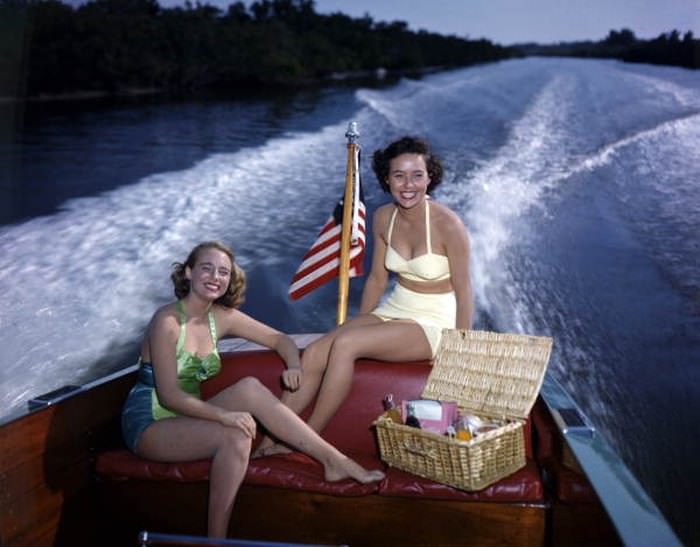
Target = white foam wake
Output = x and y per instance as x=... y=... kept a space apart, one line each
x=82 y=283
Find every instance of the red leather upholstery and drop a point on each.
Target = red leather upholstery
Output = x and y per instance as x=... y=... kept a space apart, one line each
x=122 y=464
x=300 y=472
x=350 y=430
x=295 y=471
x=267 y=366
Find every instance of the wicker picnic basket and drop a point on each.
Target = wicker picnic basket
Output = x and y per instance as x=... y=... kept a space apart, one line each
x=492 y=375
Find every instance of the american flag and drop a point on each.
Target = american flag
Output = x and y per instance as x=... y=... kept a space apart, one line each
x=321 y=262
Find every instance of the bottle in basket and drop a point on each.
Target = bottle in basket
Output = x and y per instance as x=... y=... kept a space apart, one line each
x=390 y=408
x=411 y=419
x=461 y=427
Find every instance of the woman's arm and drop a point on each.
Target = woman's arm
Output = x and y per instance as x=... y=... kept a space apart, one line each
x=458 y=251
x=237 y=323
x=376 y=281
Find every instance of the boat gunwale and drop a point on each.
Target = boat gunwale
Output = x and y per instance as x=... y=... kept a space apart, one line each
x=636 y=518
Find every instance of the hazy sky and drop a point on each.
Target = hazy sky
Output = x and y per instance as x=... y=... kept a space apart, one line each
x=514 y=21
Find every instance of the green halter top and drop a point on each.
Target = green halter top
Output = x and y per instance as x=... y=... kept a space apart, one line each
x=191 y=369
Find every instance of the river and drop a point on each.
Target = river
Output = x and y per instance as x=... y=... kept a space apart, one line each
x=576 y=179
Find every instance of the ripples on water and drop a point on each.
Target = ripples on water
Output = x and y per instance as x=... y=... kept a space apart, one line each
x=576 y=179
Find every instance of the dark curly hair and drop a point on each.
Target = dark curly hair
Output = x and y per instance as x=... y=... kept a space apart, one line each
x=381 y=160
x=233 y=297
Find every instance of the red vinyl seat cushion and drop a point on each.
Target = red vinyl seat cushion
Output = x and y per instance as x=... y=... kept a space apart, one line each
x=350 y=430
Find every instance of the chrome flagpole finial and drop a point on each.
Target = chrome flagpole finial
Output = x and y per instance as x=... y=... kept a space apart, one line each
x=352 y=133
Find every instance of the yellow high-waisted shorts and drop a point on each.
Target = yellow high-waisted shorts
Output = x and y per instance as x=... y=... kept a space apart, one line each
x=432 y=312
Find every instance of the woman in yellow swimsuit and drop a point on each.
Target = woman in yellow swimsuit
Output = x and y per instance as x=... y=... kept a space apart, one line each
x=426 y=245
x=164 y=417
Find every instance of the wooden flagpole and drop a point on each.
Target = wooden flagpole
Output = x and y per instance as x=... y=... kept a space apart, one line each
x=352 y=135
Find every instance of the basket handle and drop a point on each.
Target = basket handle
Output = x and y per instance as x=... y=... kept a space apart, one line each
x=418 y=450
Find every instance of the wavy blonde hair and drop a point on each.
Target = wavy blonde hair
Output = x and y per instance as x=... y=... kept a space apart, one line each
x=234 y=295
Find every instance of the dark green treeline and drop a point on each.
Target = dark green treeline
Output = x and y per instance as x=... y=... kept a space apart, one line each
x=47 y=47
x=666 y=49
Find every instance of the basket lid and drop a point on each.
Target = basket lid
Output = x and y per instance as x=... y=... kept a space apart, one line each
x=497 y=375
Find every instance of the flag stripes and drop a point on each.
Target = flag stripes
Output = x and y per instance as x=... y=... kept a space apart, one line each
x=321 y=262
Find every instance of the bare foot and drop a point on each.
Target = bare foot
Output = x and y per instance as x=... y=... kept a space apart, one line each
x=346 y=468
x=262 y=448
x=270 y=450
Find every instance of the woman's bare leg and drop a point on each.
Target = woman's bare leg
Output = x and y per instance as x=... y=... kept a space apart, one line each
x=388 y=341
x=314 y=361
x=251 y=396
x=186 y=439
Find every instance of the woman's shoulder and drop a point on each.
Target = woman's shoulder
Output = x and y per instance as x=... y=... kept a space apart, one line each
x=445 y=217
x=226 y=318
x=234 y=322
x=165 y=320
x=383 y=212
x=382 y=219
x=224 y=312
x=166 y=314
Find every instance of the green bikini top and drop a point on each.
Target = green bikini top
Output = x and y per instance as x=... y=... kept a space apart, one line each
x=191 y=369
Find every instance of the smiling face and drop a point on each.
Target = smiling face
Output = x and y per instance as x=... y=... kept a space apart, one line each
x=408 y=179
x=211 y=274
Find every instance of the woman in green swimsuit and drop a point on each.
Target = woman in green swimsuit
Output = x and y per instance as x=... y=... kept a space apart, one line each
x=164 y=417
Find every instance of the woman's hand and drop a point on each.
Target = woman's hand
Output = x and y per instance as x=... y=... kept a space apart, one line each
x=242 y=420
x=291 y=378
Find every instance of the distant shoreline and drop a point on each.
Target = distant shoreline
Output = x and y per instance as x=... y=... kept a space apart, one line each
x=374 y=75
x=82 y=95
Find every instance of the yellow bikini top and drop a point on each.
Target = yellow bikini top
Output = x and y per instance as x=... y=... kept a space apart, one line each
x=426 y=267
